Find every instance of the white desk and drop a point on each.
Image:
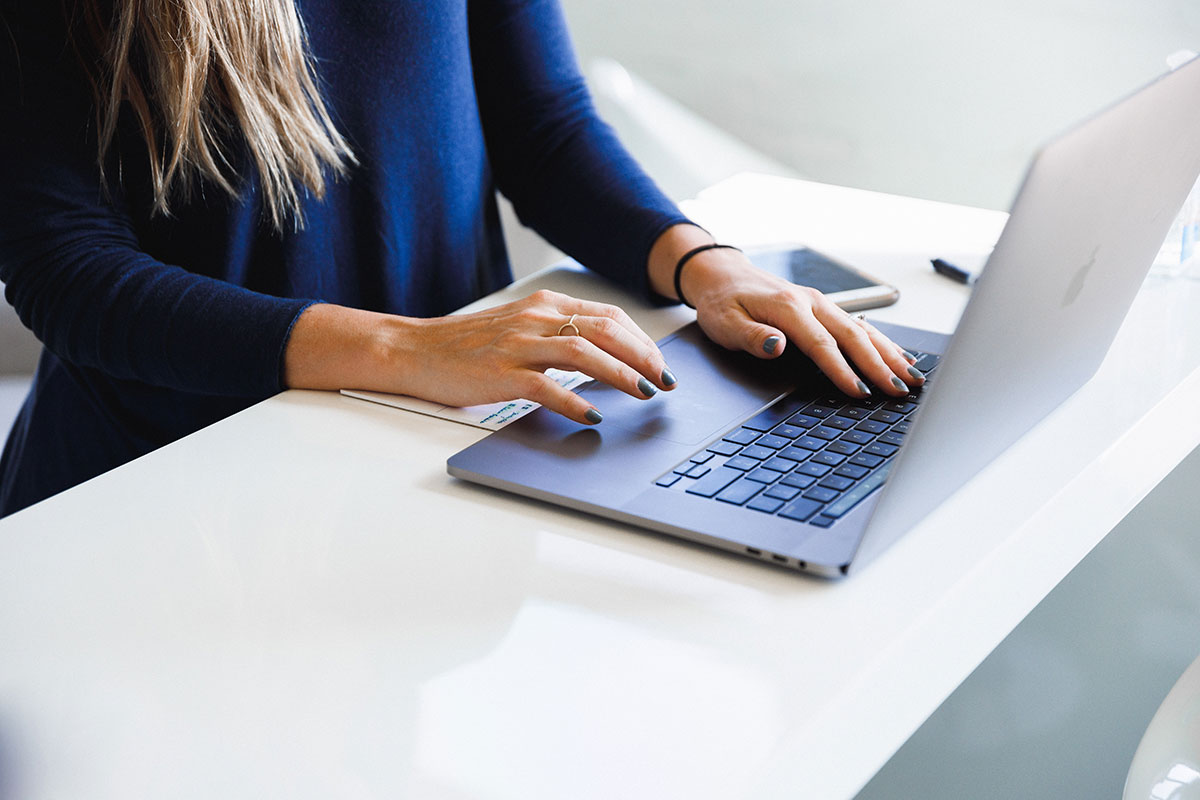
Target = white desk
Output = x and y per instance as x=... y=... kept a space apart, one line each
x=298 y=602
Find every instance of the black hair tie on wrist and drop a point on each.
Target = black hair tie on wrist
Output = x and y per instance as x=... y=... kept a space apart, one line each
x=687 y=257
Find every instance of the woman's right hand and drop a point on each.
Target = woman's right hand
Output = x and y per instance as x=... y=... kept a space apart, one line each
x=497 y=354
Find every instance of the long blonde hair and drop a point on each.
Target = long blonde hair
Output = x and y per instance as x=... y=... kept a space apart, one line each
x=196 y=71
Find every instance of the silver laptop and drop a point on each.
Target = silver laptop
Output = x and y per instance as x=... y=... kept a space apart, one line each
x=768 y=460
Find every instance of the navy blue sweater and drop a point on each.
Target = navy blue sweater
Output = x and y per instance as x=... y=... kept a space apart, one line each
x=155 y=327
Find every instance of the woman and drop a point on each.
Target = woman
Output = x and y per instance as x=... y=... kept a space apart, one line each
x=207 y=201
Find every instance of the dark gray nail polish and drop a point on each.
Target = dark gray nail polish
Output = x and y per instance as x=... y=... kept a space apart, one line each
x=771 y=345
x=863 y=390
x=668 y=378
x=646 y=387
x=916 y=373
x=899 y=384
x=593 y=416
x=909 y=356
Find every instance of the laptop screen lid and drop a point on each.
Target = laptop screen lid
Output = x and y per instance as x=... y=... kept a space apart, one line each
x=1093 y=211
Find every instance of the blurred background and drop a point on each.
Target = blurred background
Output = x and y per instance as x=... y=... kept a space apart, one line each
x=940 y=99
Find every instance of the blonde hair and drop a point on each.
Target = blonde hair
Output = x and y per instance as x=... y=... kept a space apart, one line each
x=196 y=71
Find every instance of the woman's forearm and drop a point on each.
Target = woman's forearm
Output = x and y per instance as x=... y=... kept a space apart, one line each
x=334 y=347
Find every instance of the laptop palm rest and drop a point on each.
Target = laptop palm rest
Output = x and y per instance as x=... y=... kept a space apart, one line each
x=601 y=467
x=717 y=388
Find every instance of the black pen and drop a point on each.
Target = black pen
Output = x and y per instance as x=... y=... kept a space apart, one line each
x=952 y=272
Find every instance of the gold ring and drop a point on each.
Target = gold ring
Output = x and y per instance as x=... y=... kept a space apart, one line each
x=570 y=324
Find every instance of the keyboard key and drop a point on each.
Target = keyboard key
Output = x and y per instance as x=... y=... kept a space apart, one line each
x=857 y=437
x=820 y=494
x=825 y=432
x=842 y=448
x=887 y=416
x=800 y=509
x=714 y=482
x=891 y=437
x=816 y=470
x=781 y=492
x=853 y=412
x=878 y=449
x=761 y=475
x=902 y=427
x=927 y=361
x=836 y=482
x=851 y=471
x=742 y=463
x=787 y=431
x=741 y=436
x=810 y=443
x=856 y=495
x=822 y=521
x=773 y=442
x=798 y=480
x=698 y=471
x=802 y=420
x=739 y=492
x=820 y=411
x=667 y=480
x=724 y=448
x=865 y=460
x=779 y=464
x=795 y=453
x=871 y=426
x=757 y=452
x=702 y=458
x=900 y=407
x=841 y=423
x=827 y=458
x=763 y=503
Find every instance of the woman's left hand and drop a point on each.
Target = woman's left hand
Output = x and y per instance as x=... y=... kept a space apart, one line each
x=743 y=307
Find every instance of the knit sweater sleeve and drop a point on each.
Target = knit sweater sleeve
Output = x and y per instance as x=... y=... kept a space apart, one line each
x=568 y=176
x=69 y=255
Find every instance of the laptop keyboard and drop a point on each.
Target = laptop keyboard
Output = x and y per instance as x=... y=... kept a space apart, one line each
x=806 y=460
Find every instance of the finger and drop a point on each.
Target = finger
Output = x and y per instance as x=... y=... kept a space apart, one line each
x=577 y=353
x=897 y=358
x=820 y=346
x=590 y=308
x=790 y=315
x=882 y=341
x=622 y=344
x=644 y=355
x=857 y=344
x=543 y=390
x=738 y=331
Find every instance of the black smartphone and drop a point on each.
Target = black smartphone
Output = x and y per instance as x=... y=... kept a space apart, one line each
x=849 y=287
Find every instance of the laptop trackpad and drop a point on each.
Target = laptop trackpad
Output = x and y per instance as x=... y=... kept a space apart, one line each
x=716 y=389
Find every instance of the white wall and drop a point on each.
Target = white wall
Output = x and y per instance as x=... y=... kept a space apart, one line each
x=940 y=98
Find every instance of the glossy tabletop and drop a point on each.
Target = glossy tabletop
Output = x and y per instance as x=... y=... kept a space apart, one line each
x=299 y=602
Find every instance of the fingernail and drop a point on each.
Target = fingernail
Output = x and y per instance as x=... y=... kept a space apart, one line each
x=770 y=345
x=668 y=378
x=909 y=356
x=899 y=384
x=863 y=390
x=916 y=373
x=646 y=387
x=593 y=416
